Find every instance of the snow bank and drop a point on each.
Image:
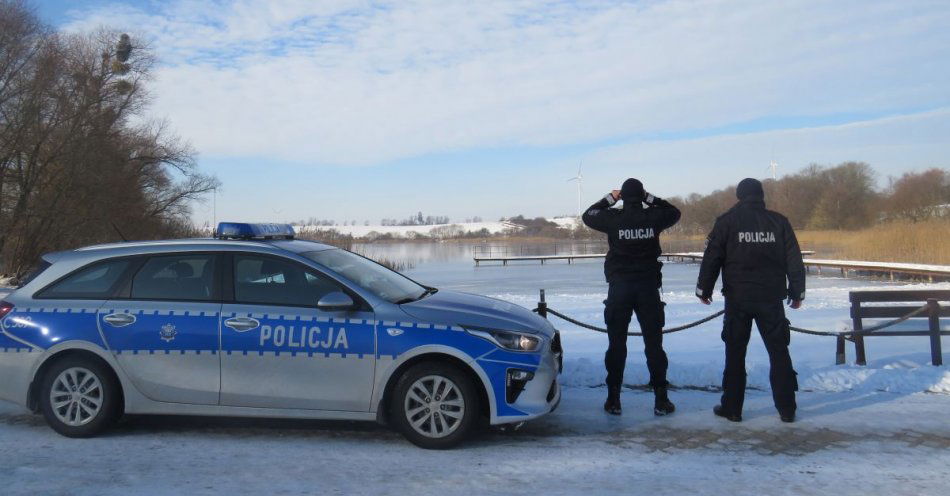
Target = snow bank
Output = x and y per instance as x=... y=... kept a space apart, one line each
x=895 y=377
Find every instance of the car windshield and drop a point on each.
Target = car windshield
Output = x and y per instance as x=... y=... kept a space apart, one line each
x=369 y=275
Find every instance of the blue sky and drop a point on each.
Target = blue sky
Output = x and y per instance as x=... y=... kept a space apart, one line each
x=359 y=110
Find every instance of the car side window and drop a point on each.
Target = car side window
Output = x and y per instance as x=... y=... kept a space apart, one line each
x=271 y=281
x=96 y=281
x=176 y=277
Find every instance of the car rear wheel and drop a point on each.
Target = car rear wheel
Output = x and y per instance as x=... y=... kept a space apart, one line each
x=79 y=397
x=435 y=405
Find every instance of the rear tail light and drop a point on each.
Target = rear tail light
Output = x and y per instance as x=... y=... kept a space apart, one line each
x=5 y=308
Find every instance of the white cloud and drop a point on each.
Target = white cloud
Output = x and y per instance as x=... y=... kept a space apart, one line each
x=353 y=82
x=892 y=145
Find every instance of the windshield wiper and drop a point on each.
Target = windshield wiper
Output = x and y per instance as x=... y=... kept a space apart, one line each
x=427 y=292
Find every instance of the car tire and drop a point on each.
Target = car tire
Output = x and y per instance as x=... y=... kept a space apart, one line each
x=435 y=405
x=79 y=397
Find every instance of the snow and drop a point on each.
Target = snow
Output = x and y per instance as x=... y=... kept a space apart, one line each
x=843 y=444
x=879 y=429
x=944 y=269
x=570 y=222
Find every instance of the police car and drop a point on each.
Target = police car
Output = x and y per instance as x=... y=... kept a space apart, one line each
x=255 y=323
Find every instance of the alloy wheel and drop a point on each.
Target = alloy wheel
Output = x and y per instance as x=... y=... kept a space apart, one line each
x=434 y=406
x=76 y=396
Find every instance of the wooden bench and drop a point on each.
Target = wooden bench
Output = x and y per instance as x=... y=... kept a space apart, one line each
x=859 y=312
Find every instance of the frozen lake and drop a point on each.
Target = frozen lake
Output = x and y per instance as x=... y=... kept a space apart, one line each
x=696 y=355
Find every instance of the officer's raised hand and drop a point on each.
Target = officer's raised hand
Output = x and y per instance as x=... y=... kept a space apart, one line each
x=616 y=194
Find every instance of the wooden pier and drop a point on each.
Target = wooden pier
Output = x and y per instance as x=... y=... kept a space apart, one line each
x=886 y=269
x=535 y=258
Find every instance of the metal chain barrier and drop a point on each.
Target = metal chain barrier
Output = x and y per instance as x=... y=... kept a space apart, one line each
x=665 y=331
x=543 y=310
x=864 y=332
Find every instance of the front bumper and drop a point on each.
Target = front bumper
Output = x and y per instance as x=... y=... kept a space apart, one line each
x=541 y=395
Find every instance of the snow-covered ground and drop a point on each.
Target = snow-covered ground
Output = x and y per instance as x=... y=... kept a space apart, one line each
x=844 y=444
x=879 y=429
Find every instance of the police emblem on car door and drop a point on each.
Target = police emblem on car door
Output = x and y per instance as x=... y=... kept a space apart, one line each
x=279 y=350
x=168 y=332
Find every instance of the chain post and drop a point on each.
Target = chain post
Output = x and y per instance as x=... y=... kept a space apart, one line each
x=936 y=352
x=542 y=306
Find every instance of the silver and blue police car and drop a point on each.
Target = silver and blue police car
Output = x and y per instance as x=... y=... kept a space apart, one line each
x=255 y=323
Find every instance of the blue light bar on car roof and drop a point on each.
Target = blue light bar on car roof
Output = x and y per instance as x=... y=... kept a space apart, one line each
x=243 y=230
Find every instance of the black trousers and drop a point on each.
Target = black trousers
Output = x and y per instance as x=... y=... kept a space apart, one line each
x=770 y=318
x=624 y=298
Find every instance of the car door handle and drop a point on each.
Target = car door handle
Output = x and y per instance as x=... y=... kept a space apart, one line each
x=119 y=319
x=242 y=324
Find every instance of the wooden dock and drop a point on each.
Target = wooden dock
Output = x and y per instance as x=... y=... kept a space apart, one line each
x=571 y=257
x=535 y=258
x=887 y=269
x=697 y=256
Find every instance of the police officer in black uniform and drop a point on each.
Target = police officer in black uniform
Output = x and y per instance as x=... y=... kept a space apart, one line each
x=633 y=273
x=761 y=265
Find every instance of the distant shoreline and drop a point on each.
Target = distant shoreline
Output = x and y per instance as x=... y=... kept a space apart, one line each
x=926 y=242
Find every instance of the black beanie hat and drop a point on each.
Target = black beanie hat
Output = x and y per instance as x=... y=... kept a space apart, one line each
x=750 y=189
x=632 y=189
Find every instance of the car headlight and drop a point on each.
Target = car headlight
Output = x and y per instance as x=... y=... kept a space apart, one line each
x=514 y=341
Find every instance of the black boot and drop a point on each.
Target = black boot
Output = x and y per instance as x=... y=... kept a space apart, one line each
x=612 y=405
x=732 y=417
x=787 y=416
x=662 y=404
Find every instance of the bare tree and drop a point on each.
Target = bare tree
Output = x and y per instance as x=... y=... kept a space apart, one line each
x=919 y=196
x=75 y=168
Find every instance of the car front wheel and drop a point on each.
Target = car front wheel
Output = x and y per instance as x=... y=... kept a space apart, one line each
x=79 y=397
x=435 y=405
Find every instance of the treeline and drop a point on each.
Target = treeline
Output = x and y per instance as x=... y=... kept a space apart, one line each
x=336 y=238
x=79 y=163
x=416 y=220
x=844 y=197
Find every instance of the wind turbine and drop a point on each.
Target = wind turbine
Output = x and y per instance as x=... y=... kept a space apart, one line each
x=580 y=180
x=773 y=165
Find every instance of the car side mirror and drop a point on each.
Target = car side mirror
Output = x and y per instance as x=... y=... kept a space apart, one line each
x=335 y=302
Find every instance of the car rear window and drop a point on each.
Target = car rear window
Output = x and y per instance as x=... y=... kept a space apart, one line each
x=97 y=281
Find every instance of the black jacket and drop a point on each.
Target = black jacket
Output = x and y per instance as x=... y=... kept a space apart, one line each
x=633 y=235
x=758 y=254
